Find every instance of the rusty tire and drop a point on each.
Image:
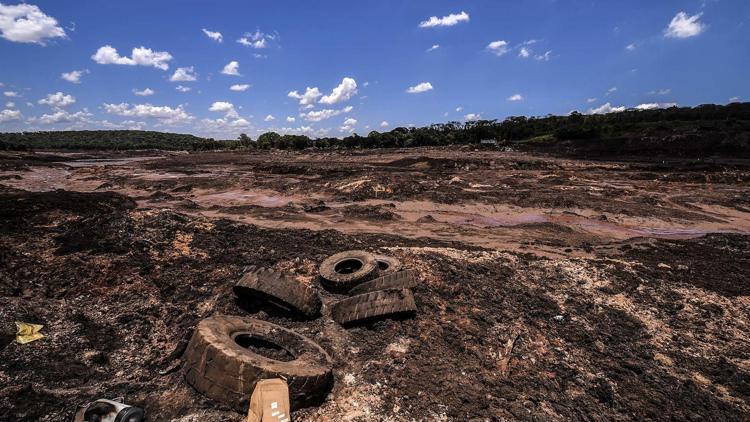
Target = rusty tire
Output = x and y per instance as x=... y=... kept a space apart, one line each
x=219 y=367
x=387 y=264
x=399 y=280
x=279 y=290
x=344 y=270
x=374 y=305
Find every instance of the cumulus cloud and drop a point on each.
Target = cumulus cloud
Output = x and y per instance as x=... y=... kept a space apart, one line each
x=318 y=115
x=515 y=97
x=257 y=39
x=630 y=47
x=141 y=56
x=450 y=20
x=182 y=88
x=184 y=74
x=310 y=96
x=591 y=100
x=348 y=125
x=232 y=68
x=239 y=87
x=144 y=93
x=214 y=35
x=58 y=100
x=10 y=115
x=224 y=107
x=654 y=106
x=459 y=109
x=684 y=26
x=63 y=116
x=419 y=88
x=610 y=91
x=434 y=47
x=269 y=118
x=26 y=23
x=498 y=47
x=472 y=117
x=11 y=94
x=734 y=99
x=346 y=90
x=10 y=104
x=544 y=57
x=73 y=76
x=524 y=53
x=165 y=114
x=290 y=119
x=606 y=108
x=384 y=123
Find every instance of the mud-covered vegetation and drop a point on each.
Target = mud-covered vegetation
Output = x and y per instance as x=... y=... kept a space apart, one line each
x=701 y=131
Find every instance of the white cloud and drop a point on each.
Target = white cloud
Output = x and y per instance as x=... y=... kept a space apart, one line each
x=450 y=20
x=544 y=57
x=459 y=109
x=10 y=115
x=144 y=93
x=498 y=48
x=665 y=91
x=11 y=94
x=141 y=56
x=214 y=35
x=472 y=117
x=734 y=100
x=224 y=107
x=419 y=88
x=318 y=115
x=26 y=23
x=524 y=53
x=239 y=87
x=591 y=100
x=346 y=90
x=684 y=26
x=630 y=47
x=434 y=47
x=182 y=88
x=515 y=97
x=290 y=119
x=257 y=39
x=166 y=114
x=73 y=76
x=184 y=74
x=63 y=116
x=606 y=108
x=348 y=125
x=610 y=91
x=384 y=124
x=10 y=104
x=654 y=106
x=269 y=118
x=57 y=100
x=232 y=68
x=310 y=96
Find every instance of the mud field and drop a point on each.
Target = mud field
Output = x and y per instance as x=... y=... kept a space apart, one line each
x=624 y=284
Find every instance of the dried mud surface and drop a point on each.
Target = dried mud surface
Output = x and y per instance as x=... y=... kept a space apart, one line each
x=624 y=285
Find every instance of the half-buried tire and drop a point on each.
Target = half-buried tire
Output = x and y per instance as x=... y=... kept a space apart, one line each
x=282 y=291
x=400 y=280
x=374 y=305
x=344 y=270
x=227 y=355
x=387 y=264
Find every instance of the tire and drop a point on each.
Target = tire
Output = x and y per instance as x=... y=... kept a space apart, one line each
x=279 y=290
x=220 y=368
x=344 y=270
x=387 y=264
x=400 y=280
x=374 y=305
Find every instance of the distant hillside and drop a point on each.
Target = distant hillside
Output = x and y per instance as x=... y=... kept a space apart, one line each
x=701 y=131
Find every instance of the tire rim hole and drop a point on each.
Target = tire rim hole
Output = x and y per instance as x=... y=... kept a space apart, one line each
x=348 y=266
x=382 y=265
x=263 y=347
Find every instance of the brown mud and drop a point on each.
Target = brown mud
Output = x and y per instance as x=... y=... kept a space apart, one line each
x=625 y=284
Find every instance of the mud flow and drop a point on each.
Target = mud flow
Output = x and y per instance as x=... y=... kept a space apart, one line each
x=621 y=287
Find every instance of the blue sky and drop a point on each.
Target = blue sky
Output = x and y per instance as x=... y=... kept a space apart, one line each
x=373 y=62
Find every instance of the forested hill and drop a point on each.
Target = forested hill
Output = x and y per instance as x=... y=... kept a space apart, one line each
x=700 y=131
